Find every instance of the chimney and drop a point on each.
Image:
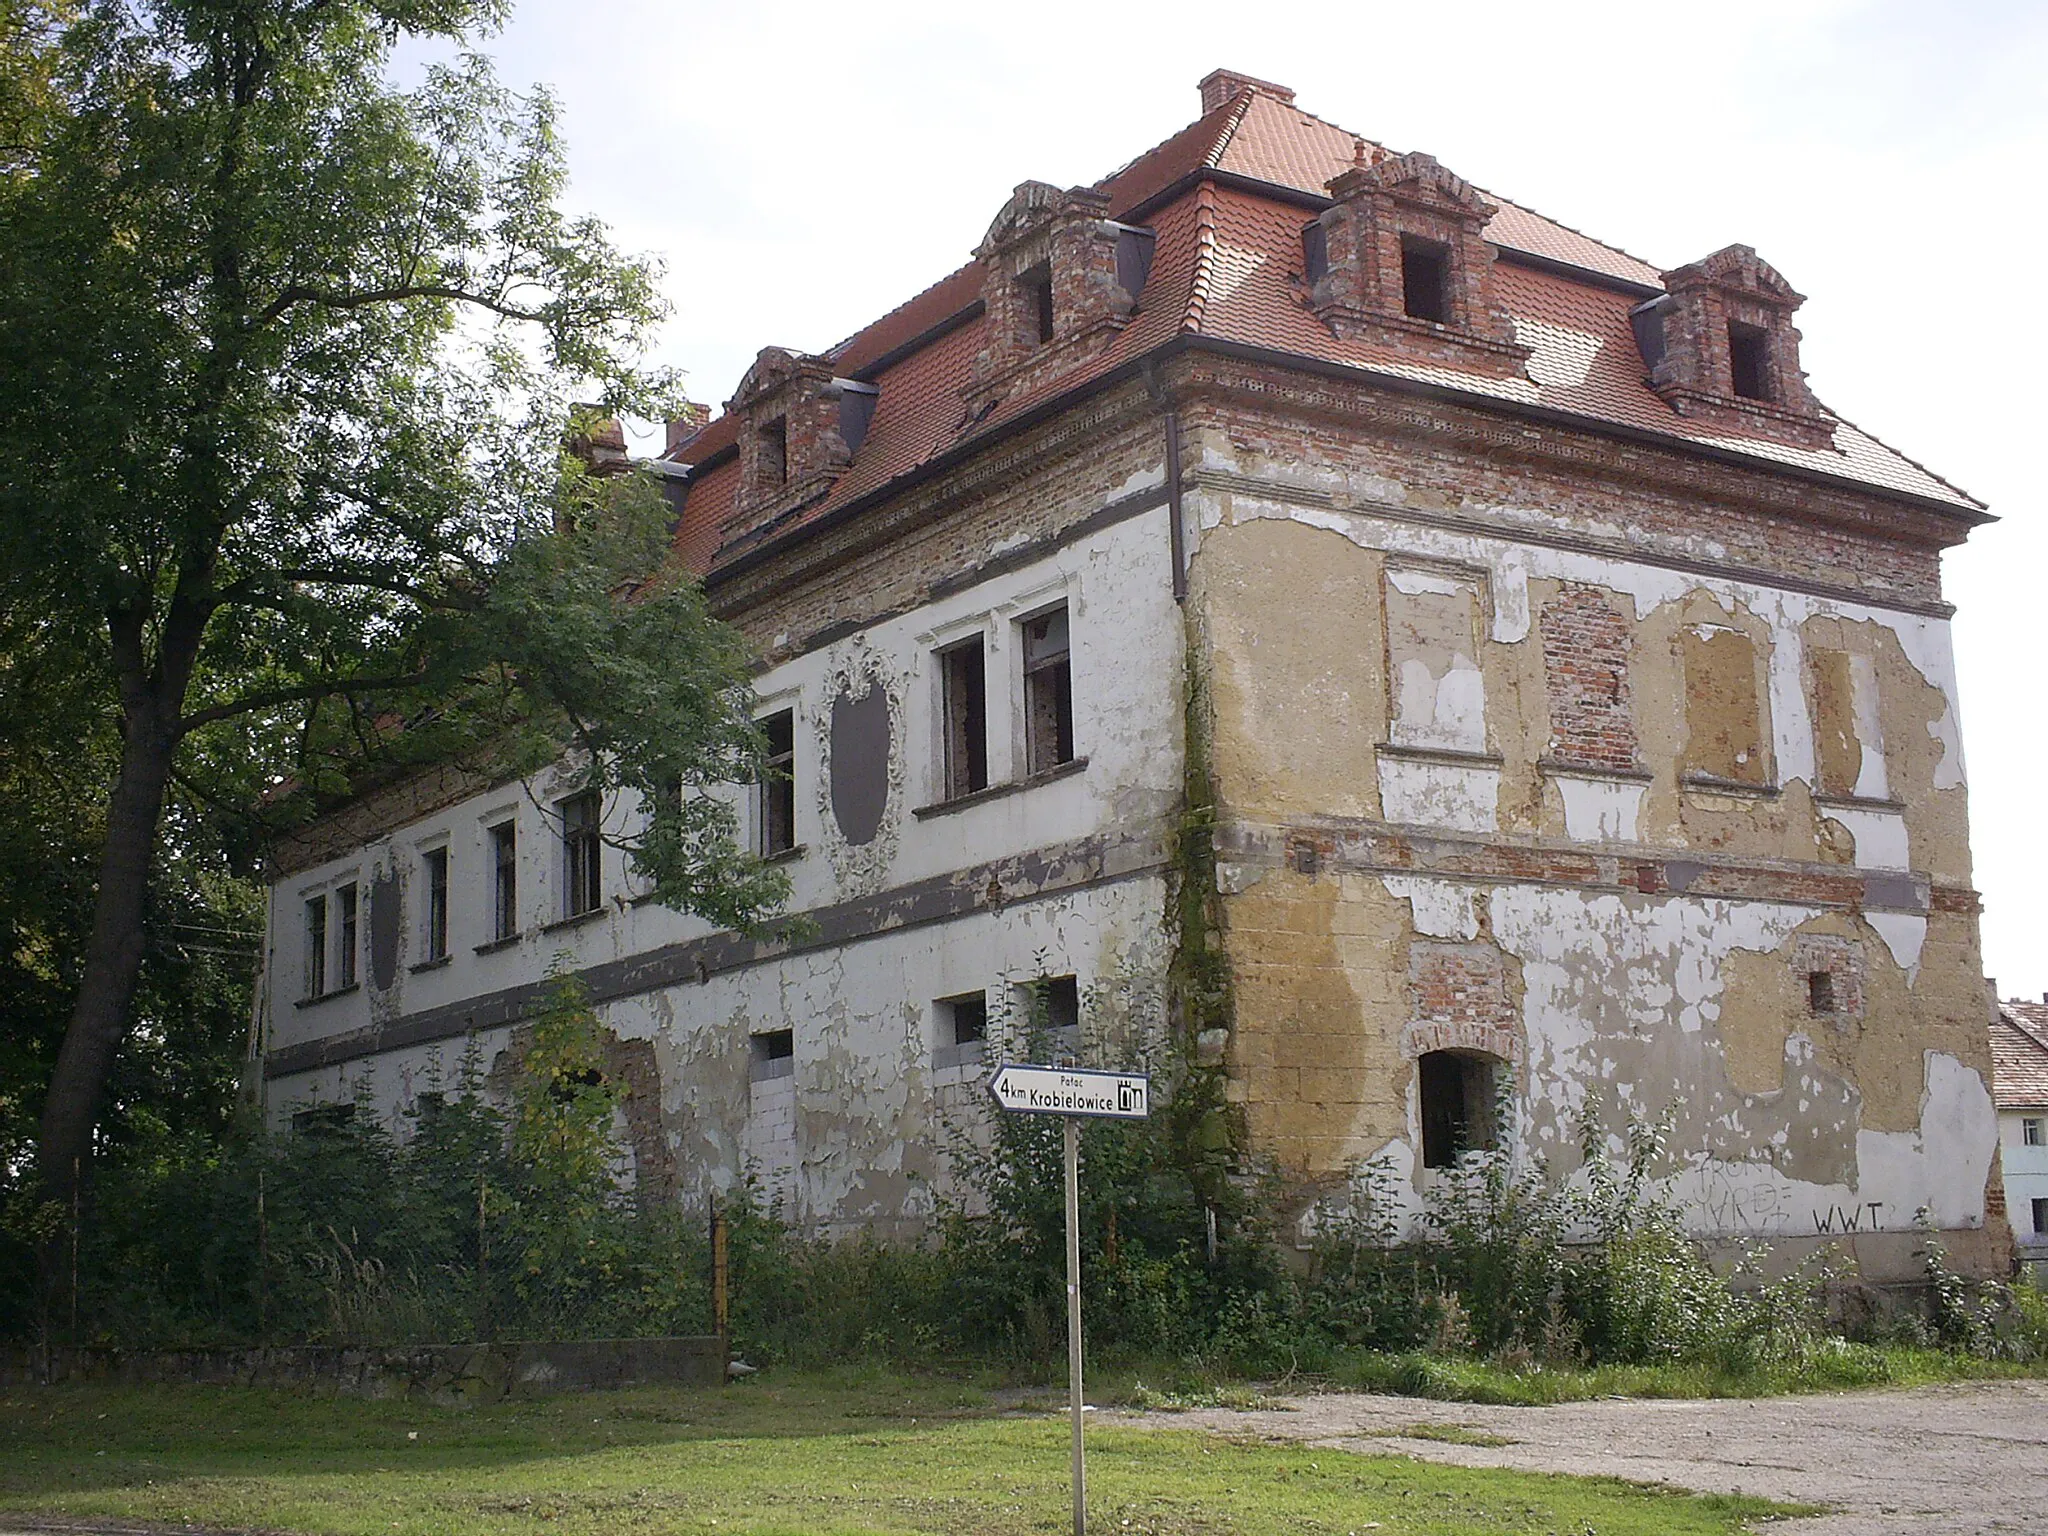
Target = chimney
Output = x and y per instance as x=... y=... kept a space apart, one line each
x=599 y=441
x=688 y=424
x=1222 y=86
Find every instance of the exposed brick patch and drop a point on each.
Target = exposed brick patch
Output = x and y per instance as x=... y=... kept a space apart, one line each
x=1585 y=676
x=1839 y=1000
x=1459 y=997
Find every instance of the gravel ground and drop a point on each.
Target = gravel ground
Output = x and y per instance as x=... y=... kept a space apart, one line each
x=1958 y=1460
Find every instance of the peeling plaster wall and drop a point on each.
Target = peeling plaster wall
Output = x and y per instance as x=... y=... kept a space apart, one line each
x=1616 y=990
x=854 y=1135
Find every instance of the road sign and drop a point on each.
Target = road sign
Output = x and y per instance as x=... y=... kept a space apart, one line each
x=1071 y=1091
x=1073 y=1094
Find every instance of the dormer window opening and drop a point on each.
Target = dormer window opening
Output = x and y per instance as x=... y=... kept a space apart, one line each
x=1315 y=252
x=1748 y=361
x=773 y=459
x=1038 y=314
x=1425 y=279
x=856 y=410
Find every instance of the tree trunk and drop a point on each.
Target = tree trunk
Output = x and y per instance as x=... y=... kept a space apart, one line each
x=113 y=957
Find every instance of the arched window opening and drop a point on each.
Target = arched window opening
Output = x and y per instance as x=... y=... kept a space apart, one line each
x=1459 y=1090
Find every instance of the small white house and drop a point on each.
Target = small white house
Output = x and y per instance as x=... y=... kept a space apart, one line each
x=2019 y=1055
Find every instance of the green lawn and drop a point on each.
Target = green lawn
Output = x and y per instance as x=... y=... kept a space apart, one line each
x=801 y=1456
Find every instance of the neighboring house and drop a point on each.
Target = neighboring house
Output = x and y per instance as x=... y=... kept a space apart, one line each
x=2019 y=1084
x=1569 y=692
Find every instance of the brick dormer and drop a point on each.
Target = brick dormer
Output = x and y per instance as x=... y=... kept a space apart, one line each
x=1721 y=348
x=1401 y=260
x=787 y=412
x=1059 y=280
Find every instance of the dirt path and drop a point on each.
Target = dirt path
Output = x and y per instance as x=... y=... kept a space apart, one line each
x=1958 y=1460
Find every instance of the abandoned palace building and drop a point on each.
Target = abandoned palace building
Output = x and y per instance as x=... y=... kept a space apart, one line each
x=1569 y=692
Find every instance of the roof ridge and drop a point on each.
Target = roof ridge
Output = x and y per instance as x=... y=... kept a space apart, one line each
x=1205 y=255
x=1939 y=479
x=1146 y=154
x=1241 y=103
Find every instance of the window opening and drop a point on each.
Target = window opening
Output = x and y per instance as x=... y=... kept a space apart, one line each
x=773 y=1054
x=772 y=453
x=1748 y=361
x=345 y=946
x=1038 y=310
x=504 y=881
x=1425 y=278
x=1820 y=993
x=963 y=684
x=1315 y=252
x=2034 y=1131
x=962 y=1029
x=1048 y=692
x=428 y=1106
x=777 y=790
x=1051 y=1006
x=1457 y=1091
x=582 y=854
x=316 y=946
x=2040 y=1217
x=435 y=864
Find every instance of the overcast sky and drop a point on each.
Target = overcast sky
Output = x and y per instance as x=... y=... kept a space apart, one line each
x=803 y=168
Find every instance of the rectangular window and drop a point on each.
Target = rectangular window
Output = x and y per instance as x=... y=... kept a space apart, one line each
x=1425 y=278
x=962 y=1029
x=2034 y=1131
x=1036 y=287
x=772 y=1054
x=963 y=710
x=1724 y=719
x=434 y=867
x=775 y=796
x=1048 y=692
x=504 y=881
x=582 y=854
x=345 y=937
x=1748 y=361
x=1820 y=993
x=2040 y=1217
x=316 y=946
x=1051 y=1009
x=322 y=1119
x=771 y=462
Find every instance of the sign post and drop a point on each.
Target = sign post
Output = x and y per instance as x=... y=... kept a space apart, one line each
x=1073 y=1094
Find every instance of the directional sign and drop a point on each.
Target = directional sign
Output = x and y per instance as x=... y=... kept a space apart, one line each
x=1071 y=1091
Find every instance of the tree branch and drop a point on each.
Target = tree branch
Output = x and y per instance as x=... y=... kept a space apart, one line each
x=345 y=687
x=298 y=293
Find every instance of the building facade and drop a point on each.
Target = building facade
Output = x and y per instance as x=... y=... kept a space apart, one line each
x=2019 y=1058
x=1551 y=699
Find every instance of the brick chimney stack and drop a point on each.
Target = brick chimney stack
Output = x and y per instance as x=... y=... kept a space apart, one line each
x=683 y=427
x=1221 y=86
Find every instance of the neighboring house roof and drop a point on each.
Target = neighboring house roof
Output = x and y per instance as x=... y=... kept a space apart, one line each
x=1227 y=198
x=2019 y=1056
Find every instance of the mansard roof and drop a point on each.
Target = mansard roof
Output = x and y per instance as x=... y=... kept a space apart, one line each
x=1227 y=198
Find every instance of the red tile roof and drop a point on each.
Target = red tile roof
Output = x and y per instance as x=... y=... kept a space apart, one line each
x=1228 y=265
x=2019 y=1056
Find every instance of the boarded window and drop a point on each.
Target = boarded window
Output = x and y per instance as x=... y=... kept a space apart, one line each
x=1048 y=692
x=504 y=881
x=776 y=793
x=1457 y=1090
x=1724 y=724
x=963 y=710
x=861 y=730
x=1436 y=696
x=1848 y=743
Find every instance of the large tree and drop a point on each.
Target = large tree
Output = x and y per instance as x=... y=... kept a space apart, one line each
x=286 y=357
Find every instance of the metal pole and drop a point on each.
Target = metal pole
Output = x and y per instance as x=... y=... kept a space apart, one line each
x=1073 y=1148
